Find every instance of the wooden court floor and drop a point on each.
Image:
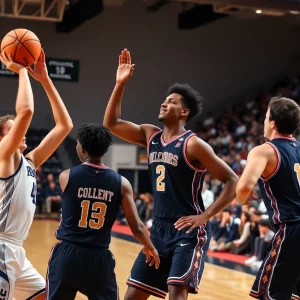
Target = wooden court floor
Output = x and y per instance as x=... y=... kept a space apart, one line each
x=217 y=282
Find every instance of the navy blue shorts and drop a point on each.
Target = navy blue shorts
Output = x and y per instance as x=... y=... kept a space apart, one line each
x=278 y=277
x=74 y=268
x=182 y=260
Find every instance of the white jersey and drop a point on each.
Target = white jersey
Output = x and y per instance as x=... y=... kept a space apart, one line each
x=17 y=202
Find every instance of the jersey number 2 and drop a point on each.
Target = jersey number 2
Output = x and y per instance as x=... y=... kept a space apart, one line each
x=160 y=185
x=97 y=217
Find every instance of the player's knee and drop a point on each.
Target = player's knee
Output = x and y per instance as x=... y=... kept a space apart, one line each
x=130 y=297
x=178 y=292
x=134 y=294
x=129 y=294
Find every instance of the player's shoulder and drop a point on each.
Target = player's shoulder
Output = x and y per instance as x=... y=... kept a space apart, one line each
x=125 y=185
x=114 y=173
x=125 y=182
x=64 y=174
x=197 y=143
x=150 y=130
x=266 y=149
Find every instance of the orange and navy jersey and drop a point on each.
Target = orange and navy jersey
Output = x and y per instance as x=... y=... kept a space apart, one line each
x=281 y=190
x=90 y=205
x=176 y=184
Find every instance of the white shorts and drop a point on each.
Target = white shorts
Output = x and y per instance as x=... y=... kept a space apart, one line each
x=18 y=278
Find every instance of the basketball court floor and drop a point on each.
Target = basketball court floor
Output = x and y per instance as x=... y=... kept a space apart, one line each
x=217 y=282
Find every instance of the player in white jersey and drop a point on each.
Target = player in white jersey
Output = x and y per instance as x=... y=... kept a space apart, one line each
x=18 y=278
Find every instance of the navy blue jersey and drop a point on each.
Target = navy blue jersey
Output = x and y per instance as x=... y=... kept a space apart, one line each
x=90 y=205
x=176 y=184
x=281 y=190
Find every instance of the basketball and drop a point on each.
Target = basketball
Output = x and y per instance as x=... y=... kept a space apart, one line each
x=23 y=46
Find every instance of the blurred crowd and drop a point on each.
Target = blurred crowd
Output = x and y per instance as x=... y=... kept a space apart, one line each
x=48 y=198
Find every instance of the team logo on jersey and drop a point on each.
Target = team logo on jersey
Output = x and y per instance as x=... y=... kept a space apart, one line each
x=165 y=157
x=178 y=144
x=31 y=172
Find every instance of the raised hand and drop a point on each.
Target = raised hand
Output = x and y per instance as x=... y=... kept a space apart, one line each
x=152 y=257
x=125 y=69
x=9 y=63
x=40 y=72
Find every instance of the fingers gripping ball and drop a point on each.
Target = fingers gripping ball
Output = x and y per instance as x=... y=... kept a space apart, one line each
x=23 y=46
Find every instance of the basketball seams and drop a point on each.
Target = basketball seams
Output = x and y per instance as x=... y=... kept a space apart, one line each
x=30 y=40
x=16 y=51
x=23 y=36
x=23 y=42
x=8 y=45
x=28 y=51
x=16 y=34
x=12 y=36
x=19 y=43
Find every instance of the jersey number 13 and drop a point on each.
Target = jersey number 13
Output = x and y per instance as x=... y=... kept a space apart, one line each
x=97 y=218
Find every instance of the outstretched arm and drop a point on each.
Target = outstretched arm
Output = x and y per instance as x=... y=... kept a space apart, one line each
x=199 y=151
x=128 y=131
x=24 y=109
x=256 y=164
x=63 y=122
x=136 y=225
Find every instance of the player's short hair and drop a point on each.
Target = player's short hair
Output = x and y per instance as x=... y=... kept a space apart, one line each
x=94 y=138
x=286 y=114
x=4 y=119
x=191 y=98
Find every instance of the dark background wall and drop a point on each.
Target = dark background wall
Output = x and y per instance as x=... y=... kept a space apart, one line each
x=221 y=59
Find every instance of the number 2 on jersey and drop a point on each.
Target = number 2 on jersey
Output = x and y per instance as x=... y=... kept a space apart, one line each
x=297 y=170
x=160 y=185
x=97 y=217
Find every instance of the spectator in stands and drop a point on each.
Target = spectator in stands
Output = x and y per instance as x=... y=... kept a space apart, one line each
x=50 y=178
x=52 y=194
x=256 y=216
x=215 y=222
x=241 y=128
x=145 y=209
x=207 y=196
x=241 y=245
x=261 y=243
x=227 y=232
x=209 y=120
x=236 y=208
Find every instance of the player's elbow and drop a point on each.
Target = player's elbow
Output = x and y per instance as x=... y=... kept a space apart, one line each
x=25 y=112
x=233 y=178
x=69 y=126
x=110 y=124
x=65 y=128
x=243 y=191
